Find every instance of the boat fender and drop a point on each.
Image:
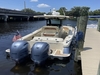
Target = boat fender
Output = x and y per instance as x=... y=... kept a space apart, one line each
x=79 y=36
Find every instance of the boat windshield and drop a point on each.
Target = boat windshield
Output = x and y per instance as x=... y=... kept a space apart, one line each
x=54 y=22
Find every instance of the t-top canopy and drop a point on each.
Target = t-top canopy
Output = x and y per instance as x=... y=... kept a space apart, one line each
x=51 y=16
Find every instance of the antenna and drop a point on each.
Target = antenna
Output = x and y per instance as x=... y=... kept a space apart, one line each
x=63 y=12
x=50 y=10
x=25 y=6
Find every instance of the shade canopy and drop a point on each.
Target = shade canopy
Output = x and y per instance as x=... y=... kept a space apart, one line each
x=51 y=16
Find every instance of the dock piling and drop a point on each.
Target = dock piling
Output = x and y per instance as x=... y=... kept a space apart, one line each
x=81 y=27
x=98 y=28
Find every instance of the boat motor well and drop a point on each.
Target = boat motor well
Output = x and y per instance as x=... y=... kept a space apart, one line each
x=19 y=50
x=39 y=52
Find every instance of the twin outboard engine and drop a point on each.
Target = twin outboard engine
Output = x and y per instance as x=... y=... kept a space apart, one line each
x=19 y=51
x=39 y=52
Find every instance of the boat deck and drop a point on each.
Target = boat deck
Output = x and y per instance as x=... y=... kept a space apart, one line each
x=90 y=56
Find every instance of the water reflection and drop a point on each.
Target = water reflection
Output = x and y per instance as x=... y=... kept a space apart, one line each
x=20 y=70
x=78 y=68
x=51 y=67
x=40 y=71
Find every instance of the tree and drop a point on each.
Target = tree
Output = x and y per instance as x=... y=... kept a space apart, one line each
x=62 y=11
x=75 y=11
x=84 y=11
x=96 y=12
x=80 y=11
x=40 y=13
x=91 y=13
x=69 y=13
x=49 y=13
x=28 y=10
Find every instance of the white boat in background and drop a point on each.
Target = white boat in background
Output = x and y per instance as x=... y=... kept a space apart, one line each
x=52 y=40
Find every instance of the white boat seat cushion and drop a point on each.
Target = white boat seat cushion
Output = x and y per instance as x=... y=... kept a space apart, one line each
x=50 y=31
x=63 y=32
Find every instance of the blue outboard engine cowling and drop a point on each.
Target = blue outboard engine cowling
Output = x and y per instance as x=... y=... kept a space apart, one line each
x=19 y=51
x=39 y=52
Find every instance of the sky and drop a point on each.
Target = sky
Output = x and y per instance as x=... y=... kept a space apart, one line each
x=46 y=5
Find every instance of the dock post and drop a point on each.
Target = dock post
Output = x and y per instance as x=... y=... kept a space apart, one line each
x=6 y=17
x=81 y=26
x=98 y=28
x=28 y=18
x=78 y=18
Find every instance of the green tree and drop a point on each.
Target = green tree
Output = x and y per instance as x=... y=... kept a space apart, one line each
x=49 y=13
x=91 y=13
x=84 y=11
x=62 y=10
x=79 y=11
x=69 y=13
x=40 y=13
x=28 y=10
x=96 y=12
x=75 y=11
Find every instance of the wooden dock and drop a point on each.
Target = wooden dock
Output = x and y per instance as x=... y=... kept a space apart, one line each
x=90 y=56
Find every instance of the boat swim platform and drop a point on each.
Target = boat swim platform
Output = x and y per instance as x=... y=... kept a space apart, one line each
x=90 y=56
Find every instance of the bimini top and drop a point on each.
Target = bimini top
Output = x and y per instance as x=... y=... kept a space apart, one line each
x=51 y=16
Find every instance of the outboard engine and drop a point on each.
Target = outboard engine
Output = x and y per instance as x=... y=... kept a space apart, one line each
x=39 y=52
x=19 y=51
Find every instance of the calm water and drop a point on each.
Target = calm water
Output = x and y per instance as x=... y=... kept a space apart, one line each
x=52 y=67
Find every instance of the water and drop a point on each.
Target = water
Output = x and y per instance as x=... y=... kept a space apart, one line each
x=92 y=24
x=52 y=67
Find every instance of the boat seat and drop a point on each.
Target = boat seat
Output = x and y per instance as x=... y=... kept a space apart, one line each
x=63 y=32
x=50 y=31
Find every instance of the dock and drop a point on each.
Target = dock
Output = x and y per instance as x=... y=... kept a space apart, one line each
x=90 y=55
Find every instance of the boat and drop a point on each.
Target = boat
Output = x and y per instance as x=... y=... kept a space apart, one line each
x=51 y=41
